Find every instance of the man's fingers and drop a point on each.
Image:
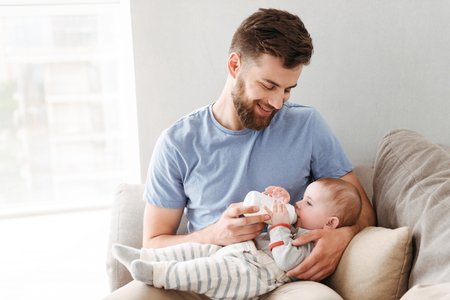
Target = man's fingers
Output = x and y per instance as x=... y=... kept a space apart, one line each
x=311 y=269
x=313 y=274
x=323 y=260
x=247 y=209
x=237 y=209
x=251 y=231
x=300 y=270
x=253 y=219
x=308 y=237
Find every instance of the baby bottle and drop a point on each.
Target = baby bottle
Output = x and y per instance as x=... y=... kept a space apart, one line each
x=255 y=198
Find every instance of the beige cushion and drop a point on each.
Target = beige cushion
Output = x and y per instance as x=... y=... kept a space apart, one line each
x=439 y=291
x=412 y=188
x=375 y=265
x=306 y=290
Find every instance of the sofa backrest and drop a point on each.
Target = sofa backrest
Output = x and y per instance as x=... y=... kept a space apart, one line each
x=412 y=188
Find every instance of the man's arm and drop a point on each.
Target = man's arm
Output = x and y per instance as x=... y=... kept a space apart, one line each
x=160 y=226
x=330 y=244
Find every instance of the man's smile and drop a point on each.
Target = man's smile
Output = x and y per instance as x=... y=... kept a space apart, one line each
x=264 y=111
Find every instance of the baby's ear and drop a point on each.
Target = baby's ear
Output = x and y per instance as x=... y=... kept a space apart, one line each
x=332 y=223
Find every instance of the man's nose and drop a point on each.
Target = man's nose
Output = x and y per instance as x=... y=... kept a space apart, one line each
x=276 y=100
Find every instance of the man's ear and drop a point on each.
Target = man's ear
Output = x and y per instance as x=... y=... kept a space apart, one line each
x=332 y=223
x=234 y=64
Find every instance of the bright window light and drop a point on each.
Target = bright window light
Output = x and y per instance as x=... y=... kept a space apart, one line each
x=68 y=129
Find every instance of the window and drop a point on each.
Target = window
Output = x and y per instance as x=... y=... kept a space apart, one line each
x=68 y=129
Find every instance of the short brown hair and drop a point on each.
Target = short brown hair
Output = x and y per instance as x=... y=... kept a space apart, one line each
x=344 y=200
x=274 y=32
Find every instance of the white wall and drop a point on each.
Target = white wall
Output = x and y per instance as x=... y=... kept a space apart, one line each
x=377 y=66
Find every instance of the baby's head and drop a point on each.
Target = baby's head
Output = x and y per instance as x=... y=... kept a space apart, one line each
x=328 y=203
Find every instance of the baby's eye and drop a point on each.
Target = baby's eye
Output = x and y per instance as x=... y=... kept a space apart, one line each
x=309 y=203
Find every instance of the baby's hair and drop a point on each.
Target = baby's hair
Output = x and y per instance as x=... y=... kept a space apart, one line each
x=344 y=200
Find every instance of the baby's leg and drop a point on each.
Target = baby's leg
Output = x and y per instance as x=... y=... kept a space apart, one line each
x=175 y=267
x=228 y=274
x=180 y=252
x=200 y=275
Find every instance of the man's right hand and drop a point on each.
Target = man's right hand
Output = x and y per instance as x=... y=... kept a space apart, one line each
x=232 y=229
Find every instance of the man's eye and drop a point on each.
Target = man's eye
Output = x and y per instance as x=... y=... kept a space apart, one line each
x=268 y=88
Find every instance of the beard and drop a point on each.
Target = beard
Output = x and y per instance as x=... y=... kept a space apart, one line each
x=245 y=108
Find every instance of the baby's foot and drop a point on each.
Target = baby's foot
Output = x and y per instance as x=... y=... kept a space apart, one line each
x=125 y=254
x=142 y=271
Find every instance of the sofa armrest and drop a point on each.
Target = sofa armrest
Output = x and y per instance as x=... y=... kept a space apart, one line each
x=126 y=227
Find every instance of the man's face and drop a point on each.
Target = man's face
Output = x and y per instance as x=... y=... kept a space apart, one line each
x=246 y=111
x=260 y=91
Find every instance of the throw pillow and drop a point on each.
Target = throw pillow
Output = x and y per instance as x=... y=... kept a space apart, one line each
x=374 y=266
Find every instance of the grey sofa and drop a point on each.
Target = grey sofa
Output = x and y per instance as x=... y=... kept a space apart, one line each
x=409 y=187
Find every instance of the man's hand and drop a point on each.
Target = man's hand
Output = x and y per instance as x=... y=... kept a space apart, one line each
x=232 y=229
x=330 y=244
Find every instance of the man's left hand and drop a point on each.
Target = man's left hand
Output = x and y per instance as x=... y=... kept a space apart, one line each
x=330 y=244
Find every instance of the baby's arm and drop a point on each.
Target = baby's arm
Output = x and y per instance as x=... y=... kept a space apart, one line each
x=284 y=253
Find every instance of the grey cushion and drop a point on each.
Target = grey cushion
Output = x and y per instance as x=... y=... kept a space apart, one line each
x=412 y=188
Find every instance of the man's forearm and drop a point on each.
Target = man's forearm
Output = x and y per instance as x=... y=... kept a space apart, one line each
x=166 y=240
x=367 y=216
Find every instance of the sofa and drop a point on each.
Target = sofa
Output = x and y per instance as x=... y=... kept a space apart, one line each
x=407 y=256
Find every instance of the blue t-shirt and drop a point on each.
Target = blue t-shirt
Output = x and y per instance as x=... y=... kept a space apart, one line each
x=202 y=166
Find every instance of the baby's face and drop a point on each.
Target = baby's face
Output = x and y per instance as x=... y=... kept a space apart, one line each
x=311 y=210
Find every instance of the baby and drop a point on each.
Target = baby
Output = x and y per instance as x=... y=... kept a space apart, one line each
x=252 y=268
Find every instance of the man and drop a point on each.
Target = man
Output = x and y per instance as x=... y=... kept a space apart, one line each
x=250 y=138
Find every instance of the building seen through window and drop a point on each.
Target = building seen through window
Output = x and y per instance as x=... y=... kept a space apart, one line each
x=67 y=132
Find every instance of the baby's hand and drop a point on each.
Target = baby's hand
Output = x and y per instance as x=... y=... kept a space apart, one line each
x=279 y=213
x=278 y=192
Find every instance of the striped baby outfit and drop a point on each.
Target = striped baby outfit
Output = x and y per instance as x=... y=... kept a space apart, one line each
x=237 y=271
